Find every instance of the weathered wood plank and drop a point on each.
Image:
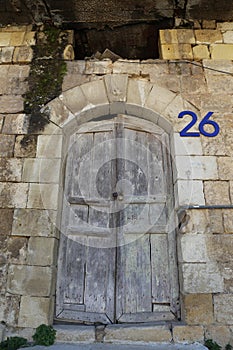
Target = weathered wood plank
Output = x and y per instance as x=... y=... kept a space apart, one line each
x=160 y=269
x=146 y=317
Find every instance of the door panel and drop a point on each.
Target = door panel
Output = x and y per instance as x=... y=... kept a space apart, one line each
x=116 y=263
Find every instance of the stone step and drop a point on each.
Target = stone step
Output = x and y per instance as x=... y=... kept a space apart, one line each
x=98 y=346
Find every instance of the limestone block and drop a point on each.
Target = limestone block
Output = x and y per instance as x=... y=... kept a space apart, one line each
x=15 y=124
x=41 y=170
x=222 y=51
x=9 y=310
x=11 y=104
x=168 y=36
x=29 y=39
x=198 y=309
x=133 y=333
x=216 y=192
x=42 y=251
x=1 y=122
x=17 y=249
x=220 y=334
x=159 y=98
x=176 y=51
x=215 y=65
x=216 y=83
x=216 y=221
x=195 y=221
x=95 y=92
x=6 y=145
x=225 y=168
x=30 y=280
x=23 y=54
x=127 y=67
x=185 y=36
x=68 y=53
x=201 y=52
x=205 y=36
x=193 y=248
x=43 y=196
x=17 y=38
x=25 y=146
x=74 y=333
x=49 y=146
x=58 y=112
x=202 y=278
x=196 y=167
x=190 y=192
x=10 y=169
x=98 y=67
x=116 y=86
x=228 y=220
x=225 y=26
x=214 y=146
x=196 y=84
x=186 y=145
x=34 y=222
x=220 y=247
x=6 y=219
x=228 y=37
x=13 y=195
x=5 y=39
x=35 y=311
x=74 y=99
x=152 y=68
x=138 y=91
x=6 y=54
x=188 y=334
x=223 y=308
x=208 y=24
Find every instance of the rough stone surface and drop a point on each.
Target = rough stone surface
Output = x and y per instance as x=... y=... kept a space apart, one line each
x=6 y=145
x=188 y=334
x=42 y=196
x=159 y=346
x=10 y=169
x=200 y=52
x=223 y=308
x=41 y=170
x=30 y=280
x=42 y=251
x=202 y=278
x=34 y=222
x=74 y=334
x=204 y=36
x=220 y=334
x=133 y=333
x=195 y=167
x=25 y=146
x=190 y=192
x=35 y=311
x=15 y=124
x=198 y=309
x=228 y=220
x=216 y=192
x=49 y=146
x=222 y=51
x=13 y=195
x=6 y=219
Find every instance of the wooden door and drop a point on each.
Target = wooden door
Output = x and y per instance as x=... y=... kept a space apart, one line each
x=117 y=260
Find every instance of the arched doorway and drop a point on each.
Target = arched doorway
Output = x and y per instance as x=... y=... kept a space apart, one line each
x=117 y=259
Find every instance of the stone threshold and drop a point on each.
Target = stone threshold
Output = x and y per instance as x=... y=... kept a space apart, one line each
x=130 y=333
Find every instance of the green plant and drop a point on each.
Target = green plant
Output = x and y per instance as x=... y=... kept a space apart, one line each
x=13 y=343
x=44 y=335
x=228 y=347
x=212 y=345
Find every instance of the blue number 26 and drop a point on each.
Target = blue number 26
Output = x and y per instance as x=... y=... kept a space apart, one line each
x=205 y=121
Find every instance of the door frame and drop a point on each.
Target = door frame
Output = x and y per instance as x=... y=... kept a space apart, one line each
x=172 y=242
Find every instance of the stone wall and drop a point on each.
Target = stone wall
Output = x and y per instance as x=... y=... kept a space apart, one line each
x=158 y=90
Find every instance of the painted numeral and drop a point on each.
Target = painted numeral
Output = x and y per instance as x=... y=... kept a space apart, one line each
x=205 y=121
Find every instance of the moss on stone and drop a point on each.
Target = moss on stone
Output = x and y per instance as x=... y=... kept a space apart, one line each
x=46 y=75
